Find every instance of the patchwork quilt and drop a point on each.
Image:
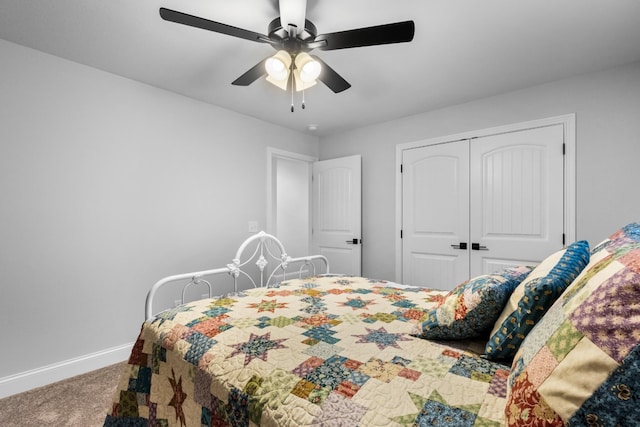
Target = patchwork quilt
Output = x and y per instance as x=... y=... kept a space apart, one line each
x=316 y=351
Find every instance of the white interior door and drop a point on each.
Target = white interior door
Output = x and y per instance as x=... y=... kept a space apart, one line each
x=337 y=218
x=435 y=215
x=478 y=205
x=517 y=194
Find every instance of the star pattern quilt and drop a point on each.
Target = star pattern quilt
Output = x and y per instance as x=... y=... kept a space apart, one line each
x=319 y=351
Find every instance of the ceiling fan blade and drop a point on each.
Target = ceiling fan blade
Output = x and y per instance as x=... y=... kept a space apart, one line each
x=252 y=75
x=330 y=78
x=205 y=24
x=397 y=32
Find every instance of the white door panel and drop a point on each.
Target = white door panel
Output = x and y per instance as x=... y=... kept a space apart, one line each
x=502 y=195
x=340 y=259
x=433 y=271
x=337 y=213
x=435 y=215
x=517 y=195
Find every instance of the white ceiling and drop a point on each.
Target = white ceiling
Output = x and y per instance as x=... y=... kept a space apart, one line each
x=462 y=50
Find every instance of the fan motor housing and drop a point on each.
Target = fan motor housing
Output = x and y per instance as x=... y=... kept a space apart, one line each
x=287 y=42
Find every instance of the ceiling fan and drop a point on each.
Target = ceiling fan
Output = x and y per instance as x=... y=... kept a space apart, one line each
x=293 y=36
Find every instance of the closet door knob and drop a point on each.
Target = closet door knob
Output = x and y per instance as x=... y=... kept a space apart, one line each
x=478 y=247
x=461 y=245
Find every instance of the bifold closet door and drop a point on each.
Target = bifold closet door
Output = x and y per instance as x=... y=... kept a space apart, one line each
x=476 y=206
x=435 y=215
x=517 y=198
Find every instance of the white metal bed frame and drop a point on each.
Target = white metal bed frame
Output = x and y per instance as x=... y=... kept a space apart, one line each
x=267 y=248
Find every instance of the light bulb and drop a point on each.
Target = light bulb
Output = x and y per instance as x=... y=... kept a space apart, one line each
x=278 y=65
x=308 y=67
x=310 y=71
x=274 y=66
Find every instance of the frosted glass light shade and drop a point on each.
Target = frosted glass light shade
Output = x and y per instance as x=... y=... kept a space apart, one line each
x=308 y=68
x=301 y=85
x=278 y=66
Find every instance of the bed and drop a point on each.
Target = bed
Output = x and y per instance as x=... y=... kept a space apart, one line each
x=549 y=345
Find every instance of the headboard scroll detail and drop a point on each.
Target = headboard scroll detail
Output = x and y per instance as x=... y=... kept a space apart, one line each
x=263 y=250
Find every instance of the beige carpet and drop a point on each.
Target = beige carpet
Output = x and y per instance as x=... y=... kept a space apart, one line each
x=81 y=401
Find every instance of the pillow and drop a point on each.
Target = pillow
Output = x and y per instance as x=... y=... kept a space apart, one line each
x=473 y=306
x=580 y=364
x=533 y=297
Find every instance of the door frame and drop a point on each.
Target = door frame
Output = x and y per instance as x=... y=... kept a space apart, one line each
x=272 y=155
x=568 y=122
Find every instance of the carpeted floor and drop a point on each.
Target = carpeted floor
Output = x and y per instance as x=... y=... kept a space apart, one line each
x=81 y=401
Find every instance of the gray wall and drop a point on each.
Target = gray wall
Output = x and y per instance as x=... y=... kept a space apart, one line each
x=107 y=185
x=607 y=108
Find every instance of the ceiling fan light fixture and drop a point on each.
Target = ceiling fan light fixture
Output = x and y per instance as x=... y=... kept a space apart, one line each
x=300 y=83
x=292 y=32
x=308 y=68
x=278 y=66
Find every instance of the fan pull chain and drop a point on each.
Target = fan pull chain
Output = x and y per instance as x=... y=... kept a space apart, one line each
x=304 y=105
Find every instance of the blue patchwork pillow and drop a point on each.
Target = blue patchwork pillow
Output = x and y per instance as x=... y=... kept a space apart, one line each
x=533 y=297
x=471 y=309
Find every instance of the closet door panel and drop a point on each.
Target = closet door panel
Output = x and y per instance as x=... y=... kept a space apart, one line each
x=435 y=185
x=516 y=198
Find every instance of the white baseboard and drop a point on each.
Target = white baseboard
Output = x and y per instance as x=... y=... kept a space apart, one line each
x=39 y=377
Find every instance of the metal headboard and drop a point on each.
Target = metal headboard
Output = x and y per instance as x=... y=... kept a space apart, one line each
x=263 y=250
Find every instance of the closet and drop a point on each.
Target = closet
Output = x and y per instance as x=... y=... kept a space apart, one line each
x=479 y=204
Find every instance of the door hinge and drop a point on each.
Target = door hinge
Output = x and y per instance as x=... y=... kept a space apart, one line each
x=564 y=149
x=563 y=239
x=401 y=168
x=401 y=234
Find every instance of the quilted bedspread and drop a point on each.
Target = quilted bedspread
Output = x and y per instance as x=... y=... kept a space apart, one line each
x=311 y=352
